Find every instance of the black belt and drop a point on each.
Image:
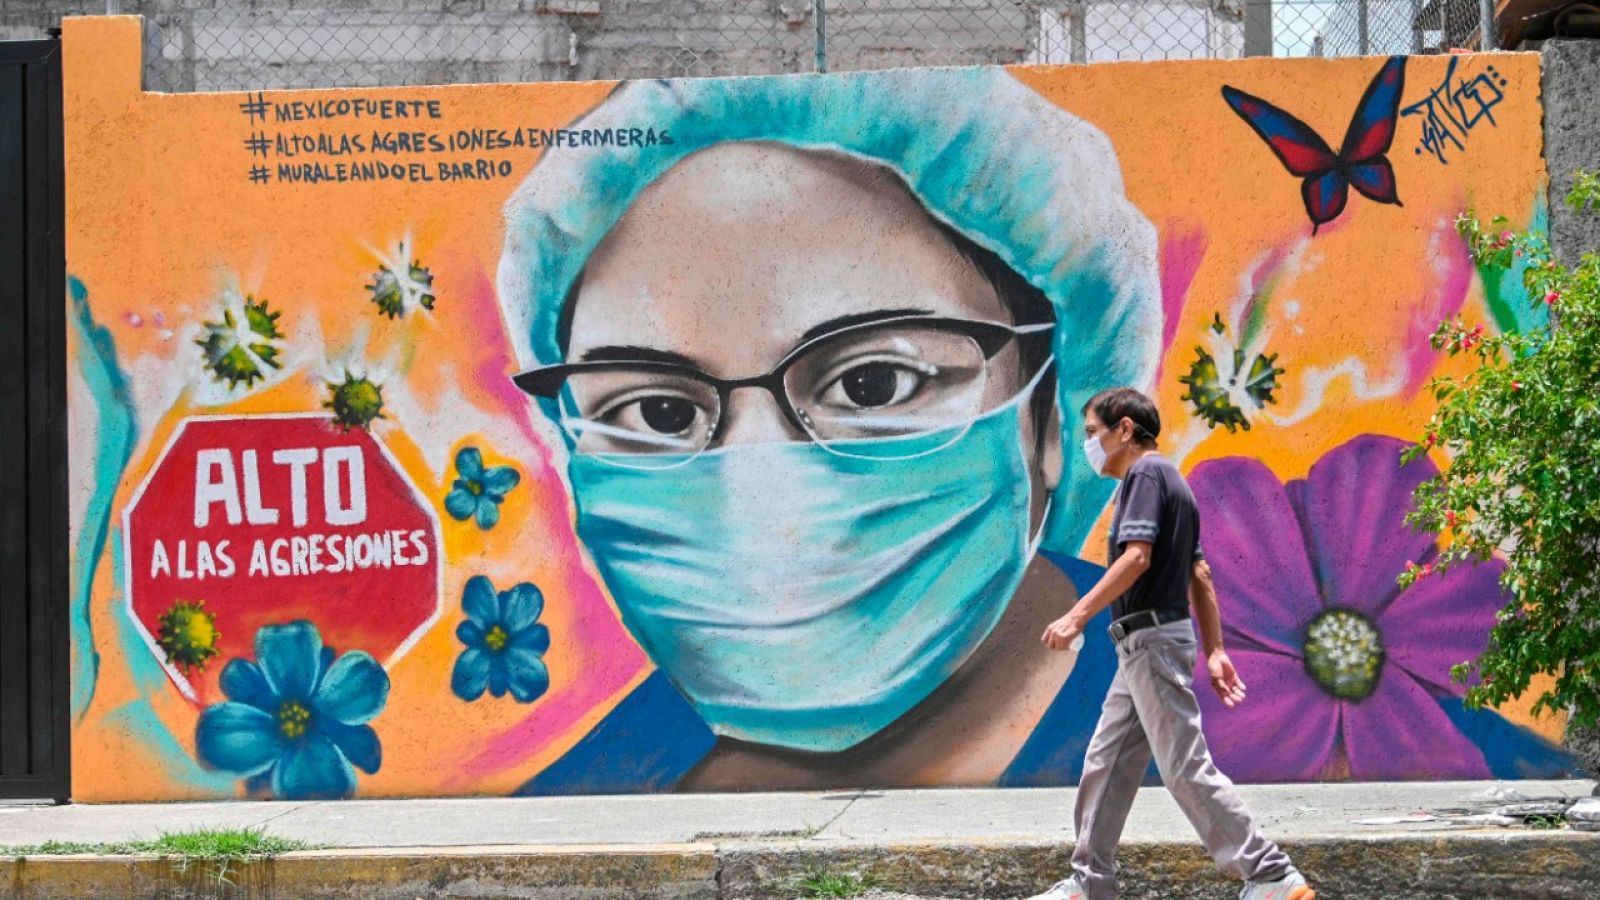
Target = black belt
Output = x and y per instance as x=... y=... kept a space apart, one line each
x=1147 y=618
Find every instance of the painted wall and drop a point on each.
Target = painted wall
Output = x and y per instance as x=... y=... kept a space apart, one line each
x=798 y=364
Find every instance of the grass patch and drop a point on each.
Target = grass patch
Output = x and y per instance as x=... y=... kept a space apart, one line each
x=223 y=843
x=834 y=884
x=198 y=843
x=220 y=849
x=67 y=848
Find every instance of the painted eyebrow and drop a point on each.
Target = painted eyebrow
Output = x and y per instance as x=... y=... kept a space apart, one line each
x=639 y=354
x=632 y=353
x=862 y=318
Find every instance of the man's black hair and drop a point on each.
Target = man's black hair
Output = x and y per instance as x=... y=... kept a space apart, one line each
x=1114 y=405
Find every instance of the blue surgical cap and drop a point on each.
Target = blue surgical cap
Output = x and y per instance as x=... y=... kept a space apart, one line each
x=984 y=153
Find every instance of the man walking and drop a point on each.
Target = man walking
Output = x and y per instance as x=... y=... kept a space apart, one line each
x=1156 y=570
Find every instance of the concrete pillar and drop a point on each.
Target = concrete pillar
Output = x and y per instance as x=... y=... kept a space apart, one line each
x=1571 y=95
x=1258 y=28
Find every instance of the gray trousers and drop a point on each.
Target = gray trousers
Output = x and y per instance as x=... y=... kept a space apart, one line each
x=1151 y=709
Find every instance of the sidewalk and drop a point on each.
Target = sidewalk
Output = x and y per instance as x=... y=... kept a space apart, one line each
x=949 y=843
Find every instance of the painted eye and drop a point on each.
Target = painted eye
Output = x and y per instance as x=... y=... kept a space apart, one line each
x=666 y=414
x=875 y=385
x=634 y=412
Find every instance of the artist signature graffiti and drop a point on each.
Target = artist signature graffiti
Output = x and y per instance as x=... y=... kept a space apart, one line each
x=1452 y=109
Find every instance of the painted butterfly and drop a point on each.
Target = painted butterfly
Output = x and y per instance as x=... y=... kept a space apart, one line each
x=1360 y=161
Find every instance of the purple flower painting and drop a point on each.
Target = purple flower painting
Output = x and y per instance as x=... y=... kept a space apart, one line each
x=1344 y=669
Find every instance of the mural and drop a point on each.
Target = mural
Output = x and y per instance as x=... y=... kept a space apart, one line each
x=708 y=434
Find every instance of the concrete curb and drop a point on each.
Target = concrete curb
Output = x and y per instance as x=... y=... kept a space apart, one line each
x=662 y=872
x=1438 y=866
x=1390 y=867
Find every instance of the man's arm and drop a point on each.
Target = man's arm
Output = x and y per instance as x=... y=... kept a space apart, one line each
x=1225 y=678
x=1203 y=600
x=1134 y=561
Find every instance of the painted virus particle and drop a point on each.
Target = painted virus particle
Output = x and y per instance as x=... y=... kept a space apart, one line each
x=401 y=283
x=188 y=634
x=395 y=292
x=1225 y=386
x=242 y=346
x=355 y=402
x=1222 y=392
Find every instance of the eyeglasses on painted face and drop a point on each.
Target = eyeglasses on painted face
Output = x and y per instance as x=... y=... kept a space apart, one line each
x=893 y=378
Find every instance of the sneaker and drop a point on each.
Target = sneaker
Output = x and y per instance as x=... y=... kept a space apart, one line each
x=1071 y=889
x=1290 y=887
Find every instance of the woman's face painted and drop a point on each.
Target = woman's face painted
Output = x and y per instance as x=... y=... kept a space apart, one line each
x=743 y=251
x=900 y=553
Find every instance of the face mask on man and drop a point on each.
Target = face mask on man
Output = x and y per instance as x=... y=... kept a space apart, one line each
x=806 y=599
x=1096 y=452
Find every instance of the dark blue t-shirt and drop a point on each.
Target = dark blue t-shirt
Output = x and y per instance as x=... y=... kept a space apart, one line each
x=1155 y=505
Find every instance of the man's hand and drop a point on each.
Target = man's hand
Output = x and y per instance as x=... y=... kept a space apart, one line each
x=1060 y=634
x=1225 y=678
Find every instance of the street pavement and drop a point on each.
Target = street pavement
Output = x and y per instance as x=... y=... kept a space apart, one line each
x=1030 y=814
x=1434 y=840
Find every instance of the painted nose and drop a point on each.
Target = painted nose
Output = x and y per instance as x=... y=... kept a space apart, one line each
x=754 y=417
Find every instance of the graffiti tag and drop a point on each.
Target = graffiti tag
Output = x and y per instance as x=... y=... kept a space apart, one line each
x=1452 y=109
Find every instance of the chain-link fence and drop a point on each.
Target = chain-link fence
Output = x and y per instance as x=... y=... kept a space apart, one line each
x=1353 y=27
x=237 y=44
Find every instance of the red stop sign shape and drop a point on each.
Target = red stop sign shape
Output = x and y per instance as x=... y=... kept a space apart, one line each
x=262 y=520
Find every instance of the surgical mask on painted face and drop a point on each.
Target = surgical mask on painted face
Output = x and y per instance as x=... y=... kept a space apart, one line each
x=1096 y=452
x=806 y=599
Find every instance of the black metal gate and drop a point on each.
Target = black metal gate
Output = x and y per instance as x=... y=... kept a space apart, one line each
x=34 y=671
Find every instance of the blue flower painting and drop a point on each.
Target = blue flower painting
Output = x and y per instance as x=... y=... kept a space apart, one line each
x=295 y=721
x=505 y=643
x=478 y=492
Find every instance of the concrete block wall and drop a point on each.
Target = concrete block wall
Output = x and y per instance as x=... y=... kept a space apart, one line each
x=22 y=20
x=237 y=44
x=651 y=38
x=324 y=45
